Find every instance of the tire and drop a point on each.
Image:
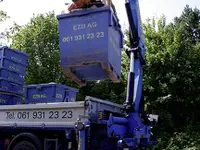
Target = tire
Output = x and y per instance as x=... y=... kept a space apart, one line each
x=26 y=141
x=24 y=145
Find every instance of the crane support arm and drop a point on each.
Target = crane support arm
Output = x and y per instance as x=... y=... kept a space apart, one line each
x=136 y=54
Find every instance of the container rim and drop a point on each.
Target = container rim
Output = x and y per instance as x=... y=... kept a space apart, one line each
x=23 y=64
x=14 y=82
x=91 y=11
x=84 y=12
x=49 y=84
x=15 y=50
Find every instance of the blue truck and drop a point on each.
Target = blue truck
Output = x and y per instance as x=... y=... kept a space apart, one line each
x=50 y=118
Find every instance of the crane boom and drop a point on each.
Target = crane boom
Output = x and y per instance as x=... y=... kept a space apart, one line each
x=136 y=53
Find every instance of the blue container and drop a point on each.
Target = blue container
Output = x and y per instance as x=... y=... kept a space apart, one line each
x=11 y=76
x=91 y=43
x=8 y=99
x=6 y=63
x=49 y=93
x=14 y=55
x=12 y=87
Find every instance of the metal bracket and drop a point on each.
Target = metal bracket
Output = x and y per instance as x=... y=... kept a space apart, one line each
x=81 y=127
x=82 y=122
x=137 y=54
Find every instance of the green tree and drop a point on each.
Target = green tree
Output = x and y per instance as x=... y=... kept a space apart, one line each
x=171 y=73
x=39 y=39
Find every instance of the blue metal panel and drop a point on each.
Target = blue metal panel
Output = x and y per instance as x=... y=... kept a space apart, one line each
x=115 y=55
x=131 y=126
x=9 y=86
x=11 y=76
x=90 y=44
x=117 y=127
x=14 y=55
x=6 y=99
x=137 y=127
x=11 y=65
x=101 y=109
x=53 y=92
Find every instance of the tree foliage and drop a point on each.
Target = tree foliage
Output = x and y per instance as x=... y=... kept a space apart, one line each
x=39 y=38
x=3 y=16
x=171 y=77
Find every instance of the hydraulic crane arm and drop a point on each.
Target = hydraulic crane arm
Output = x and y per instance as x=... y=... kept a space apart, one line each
x=136 y=54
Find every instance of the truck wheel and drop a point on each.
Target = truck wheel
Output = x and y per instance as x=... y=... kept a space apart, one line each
x=26 y=141
x=24 y=145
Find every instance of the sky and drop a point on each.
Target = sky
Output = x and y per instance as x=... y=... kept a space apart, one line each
x=21 y=11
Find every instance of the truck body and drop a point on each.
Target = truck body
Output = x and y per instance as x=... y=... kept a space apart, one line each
x=57 y=121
